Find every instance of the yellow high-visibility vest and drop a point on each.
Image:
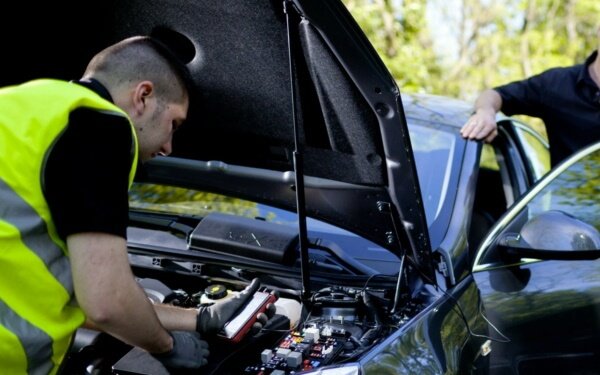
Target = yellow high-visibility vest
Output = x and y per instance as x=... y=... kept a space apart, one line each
x=38 y=314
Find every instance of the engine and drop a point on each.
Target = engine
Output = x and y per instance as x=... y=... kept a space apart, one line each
x=336 y=325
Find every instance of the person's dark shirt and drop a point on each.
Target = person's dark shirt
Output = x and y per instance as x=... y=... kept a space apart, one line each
x=566 y=99
x=87 y=172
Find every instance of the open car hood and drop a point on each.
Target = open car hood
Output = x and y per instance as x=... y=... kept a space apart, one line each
x=352 y=134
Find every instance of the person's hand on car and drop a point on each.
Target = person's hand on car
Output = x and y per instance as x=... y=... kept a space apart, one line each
x=211 y=319
x=189 y=351
x=481 y=125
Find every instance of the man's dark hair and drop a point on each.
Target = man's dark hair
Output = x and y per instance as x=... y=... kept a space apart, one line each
x=141 y=58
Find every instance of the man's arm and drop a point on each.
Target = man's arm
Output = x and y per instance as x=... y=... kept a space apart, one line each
x=107 y=292
x=176 y=318
x=482 y=124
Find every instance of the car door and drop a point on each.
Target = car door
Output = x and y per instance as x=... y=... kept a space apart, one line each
x=508 y=167
x=539 y=276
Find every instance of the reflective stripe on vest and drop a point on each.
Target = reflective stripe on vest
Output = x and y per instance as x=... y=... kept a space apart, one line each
x=38 y=351
x=37 y=314
x=17 y=212
x=36 y=343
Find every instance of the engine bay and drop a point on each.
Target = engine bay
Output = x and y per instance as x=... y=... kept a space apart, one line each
x=334 y=317
x=336 y=325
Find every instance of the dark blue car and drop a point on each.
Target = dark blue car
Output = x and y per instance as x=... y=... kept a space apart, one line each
x=394 y=245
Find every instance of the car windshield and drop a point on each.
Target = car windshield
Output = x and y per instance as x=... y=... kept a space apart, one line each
x=188 y=202
x=433 y=149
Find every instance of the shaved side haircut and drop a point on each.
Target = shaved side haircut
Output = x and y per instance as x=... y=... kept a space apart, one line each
x=137 y=59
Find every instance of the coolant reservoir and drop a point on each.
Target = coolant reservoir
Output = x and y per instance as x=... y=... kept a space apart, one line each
x=290 y=308
x=216 y=293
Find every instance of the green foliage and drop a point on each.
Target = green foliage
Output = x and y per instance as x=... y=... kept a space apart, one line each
x=399 y=33
x=171 y=199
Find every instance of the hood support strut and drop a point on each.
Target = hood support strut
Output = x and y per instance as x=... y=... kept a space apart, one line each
x=298 y=163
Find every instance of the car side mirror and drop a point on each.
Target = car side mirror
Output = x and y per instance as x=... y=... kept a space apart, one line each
x=512 y=248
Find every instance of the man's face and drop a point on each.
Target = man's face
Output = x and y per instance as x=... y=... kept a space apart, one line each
x=156 y=127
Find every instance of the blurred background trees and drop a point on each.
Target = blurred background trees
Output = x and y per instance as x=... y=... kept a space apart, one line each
x=460 y=47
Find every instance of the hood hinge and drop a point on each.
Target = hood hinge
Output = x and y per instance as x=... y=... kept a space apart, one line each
x=444 y=267
x=391 y=237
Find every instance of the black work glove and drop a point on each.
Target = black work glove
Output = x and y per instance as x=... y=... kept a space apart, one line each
x=212 y=319
x=189 y=351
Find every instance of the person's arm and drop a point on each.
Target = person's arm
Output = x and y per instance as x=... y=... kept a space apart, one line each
x=172 y=318
x=108 y=294
x=175 y=318
x=482 y=124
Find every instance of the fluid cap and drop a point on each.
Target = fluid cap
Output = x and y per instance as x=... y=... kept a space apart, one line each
x=216 y=291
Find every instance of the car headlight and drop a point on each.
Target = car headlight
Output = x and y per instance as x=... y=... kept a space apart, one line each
x=347 y=369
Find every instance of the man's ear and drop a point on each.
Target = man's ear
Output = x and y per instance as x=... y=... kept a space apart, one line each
x=143 y=92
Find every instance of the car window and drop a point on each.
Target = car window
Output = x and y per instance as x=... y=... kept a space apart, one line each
x=574 y=192
x=558 y=214
x=433 y=150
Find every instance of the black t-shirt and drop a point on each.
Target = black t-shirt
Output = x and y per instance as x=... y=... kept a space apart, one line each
x=566 y=99
x=87 y=172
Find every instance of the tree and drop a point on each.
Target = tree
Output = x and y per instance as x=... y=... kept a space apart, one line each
x=399 y=33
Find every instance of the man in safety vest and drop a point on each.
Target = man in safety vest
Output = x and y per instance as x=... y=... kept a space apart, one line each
x=68 y=154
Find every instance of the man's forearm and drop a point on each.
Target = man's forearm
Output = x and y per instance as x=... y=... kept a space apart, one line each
x=108 y=294
x=489 y=100
x=176 y=318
